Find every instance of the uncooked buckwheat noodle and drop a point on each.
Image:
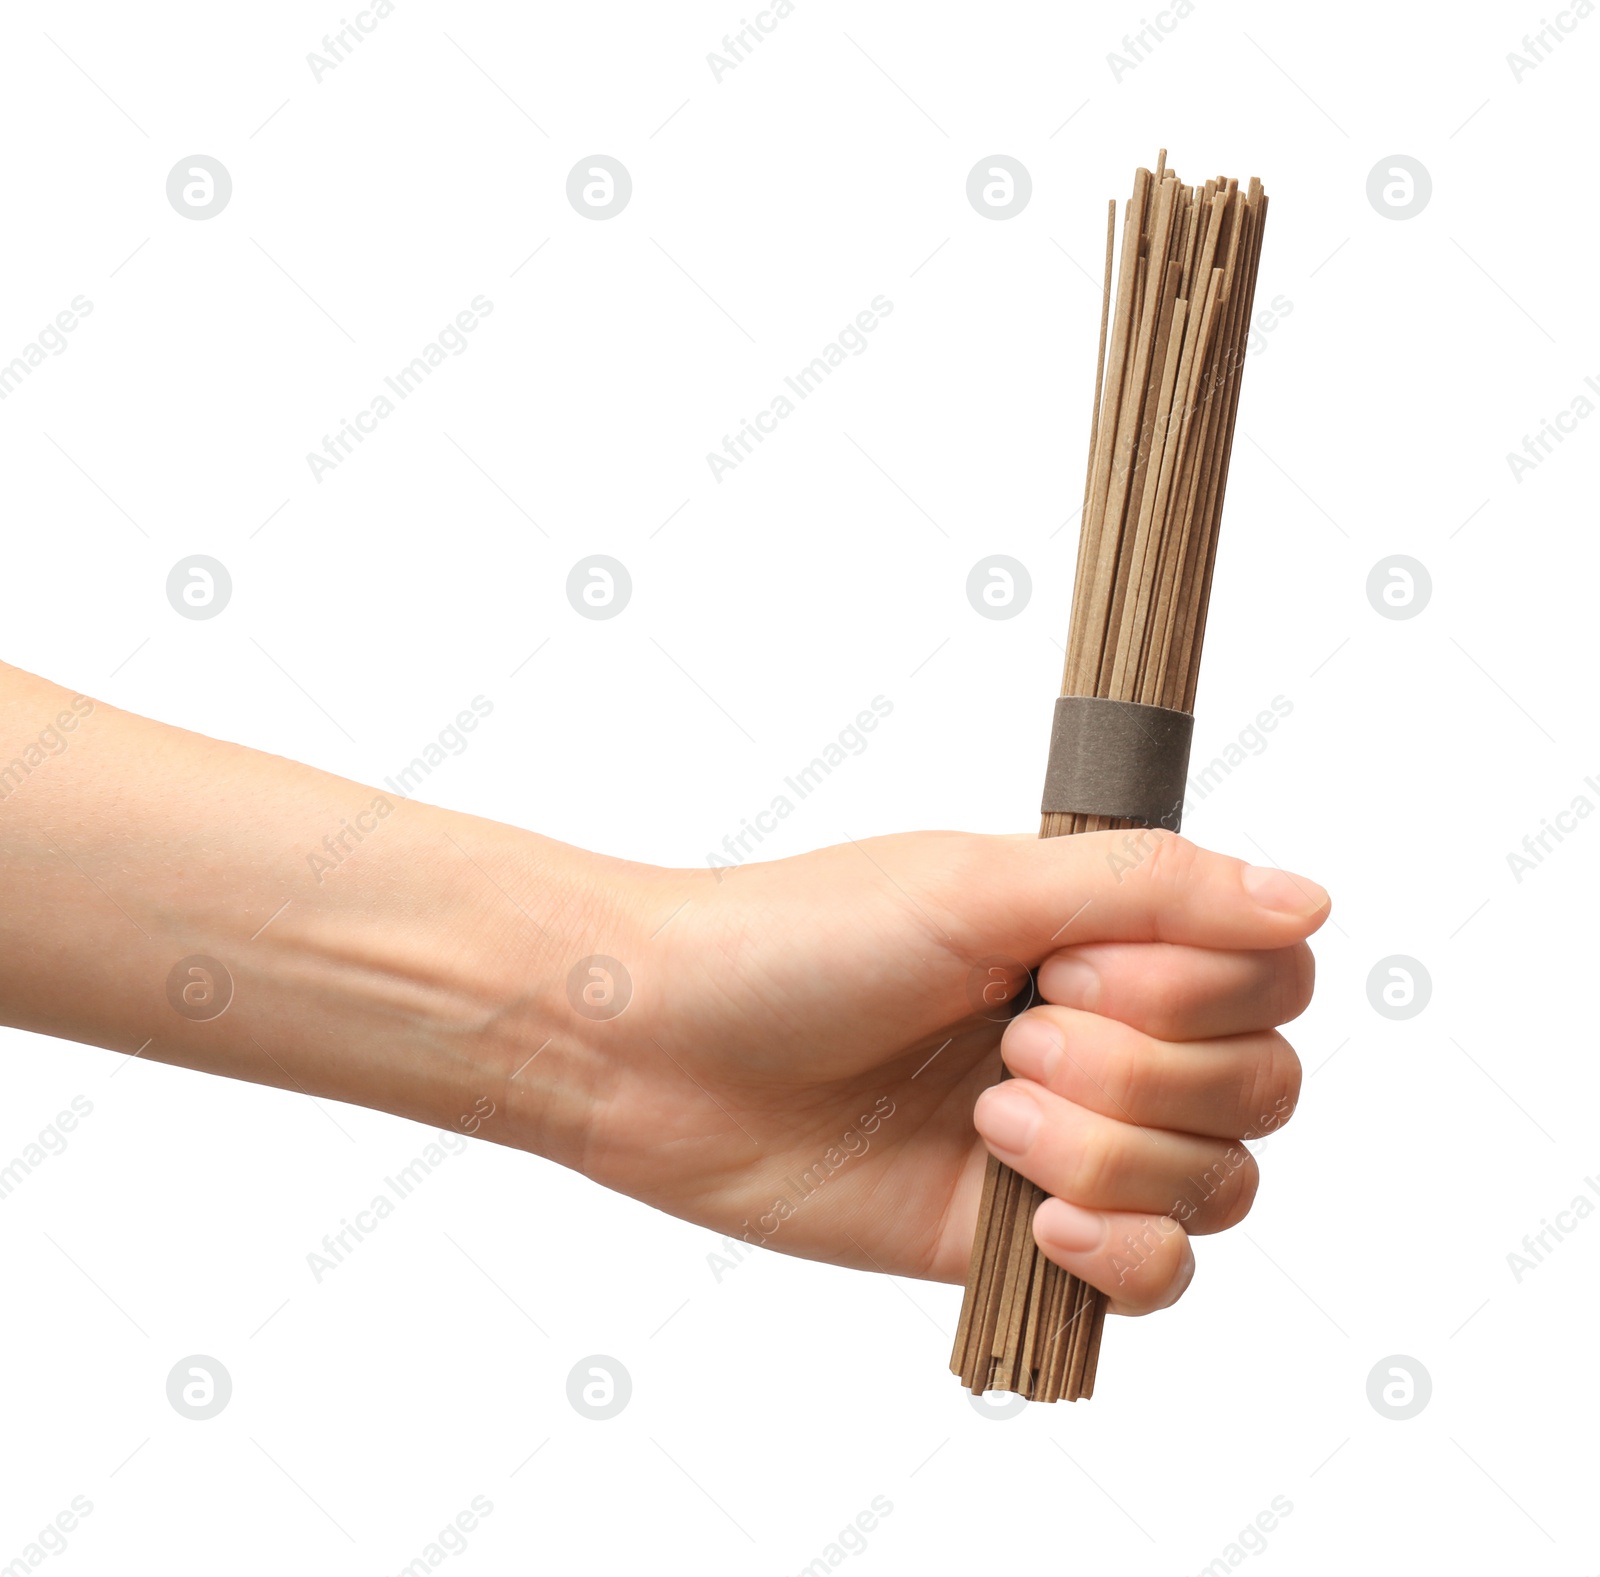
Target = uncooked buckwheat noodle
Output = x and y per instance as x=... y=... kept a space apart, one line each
x=1164 y=407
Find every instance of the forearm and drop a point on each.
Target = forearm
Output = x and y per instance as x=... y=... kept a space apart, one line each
x=793 y=1055
x=372 y=949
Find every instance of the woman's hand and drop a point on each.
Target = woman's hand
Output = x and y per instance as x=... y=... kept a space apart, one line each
x=799 y=1050
x=790 y=1053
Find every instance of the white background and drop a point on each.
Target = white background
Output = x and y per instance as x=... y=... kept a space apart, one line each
x=769 y=1407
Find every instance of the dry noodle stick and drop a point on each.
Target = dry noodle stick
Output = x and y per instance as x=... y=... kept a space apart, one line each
x=1197 y=626
x=1145 y=539
x=1099 y=375
x=1014 y=1294
x=973 y=1306
x=1196 y=511
x=1107 y=398
x=1033 y=1336
x=998 y=1245
x=1055 y=1281
x=1171 y=562
x=1148 y=446
x=991 y=1174
x=1193 y=474
x=1116 y=377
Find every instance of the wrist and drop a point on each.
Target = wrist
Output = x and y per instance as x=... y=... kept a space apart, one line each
x=428 y=976
x=555 y=938
x=377 y=974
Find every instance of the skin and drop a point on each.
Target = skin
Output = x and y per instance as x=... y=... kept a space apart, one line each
x=811 y=1030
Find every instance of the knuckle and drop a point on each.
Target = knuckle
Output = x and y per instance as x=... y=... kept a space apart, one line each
x=1172 y=860
x=1167 y=1002
x=1222 y=1194
x=1240 y=1192
x=1102 y=1067
x=1152 y=1266
x=1294 y=978
x=1292 y=1079
x=1272 y=1086
x=1133 y=1084
x=1097 y=1170
x=1182 y=1276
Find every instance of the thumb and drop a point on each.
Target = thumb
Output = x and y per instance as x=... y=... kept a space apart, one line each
x=1143 y=885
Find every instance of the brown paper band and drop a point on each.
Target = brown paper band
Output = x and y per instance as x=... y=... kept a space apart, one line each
x=1118 y=758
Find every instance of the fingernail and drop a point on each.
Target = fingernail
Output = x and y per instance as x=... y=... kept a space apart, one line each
x=1071 y=982
x=1069 y=1229
x=1032 y=1047
x=1275 y=889
x=1007 y=1118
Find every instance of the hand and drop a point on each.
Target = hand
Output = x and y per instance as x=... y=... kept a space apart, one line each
x=804 y=1053
x=799 y=1057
